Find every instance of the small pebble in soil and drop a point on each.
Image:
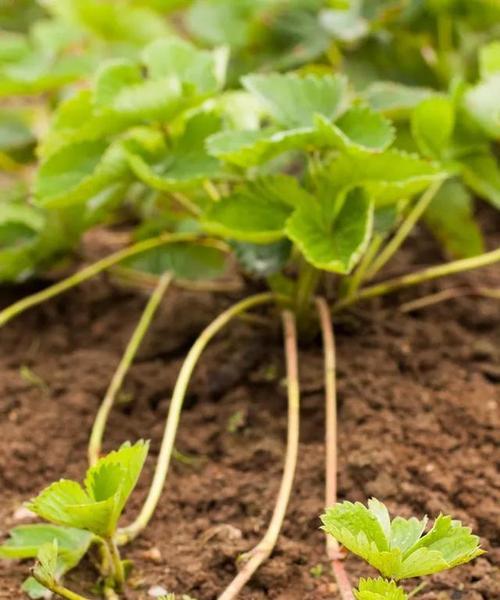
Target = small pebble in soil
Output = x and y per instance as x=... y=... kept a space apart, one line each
x=157 y=591
x=152 y=555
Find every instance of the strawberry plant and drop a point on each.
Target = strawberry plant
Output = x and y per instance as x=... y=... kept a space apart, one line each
x=397 y=548
x=80 y=518
x=303 y=140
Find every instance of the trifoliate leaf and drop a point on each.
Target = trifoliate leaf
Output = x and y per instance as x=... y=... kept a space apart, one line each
x=379 y=589
x=450 y=218
x=46 y=565
x=482 y=173
x=393 y=99
x=388 y=176
x=400 y=552
x=186 y=162
x=482 y=104
x=432 y=124
x=333 y=246
x=184 y=261
x=293 y=101
x=179 y=60
x=258 y=210
x=107 y=487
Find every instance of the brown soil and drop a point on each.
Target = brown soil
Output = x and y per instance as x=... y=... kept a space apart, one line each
x=418 y=423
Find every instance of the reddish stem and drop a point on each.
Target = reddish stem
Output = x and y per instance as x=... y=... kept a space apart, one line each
x=333 y=550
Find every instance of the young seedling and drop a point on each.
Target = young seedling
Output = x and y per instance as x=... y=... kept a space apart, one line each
x=80 y=517
x=397 y=548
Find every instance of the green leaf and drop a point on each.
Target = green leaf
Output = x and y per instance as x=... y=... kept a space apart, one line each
x=293 y=101
x=448 y=538
x=388 y=177
x=432 y=124
x=262 y=260
x=251 y=148
x=450 y=218
x=184 y=261
x=183 y=164
x=51 y=504
x=379 y=589
x=121 y=90
x=481 y=103
x=359 y=128
x=406 y=532
x=489 y=60
x=482 y=174
x=356 y=528
x=398 y=551
x=79 y=172
x=103 y=481
x=179 y=60
x=111 y=22
x=66 y=503
x=333 y=246
x=38 y=72
x=34 y=589
x=46 y=566
x=25 y=540
x=258 y=210
x=75 y=120
x=393 y=99
x=107 y=487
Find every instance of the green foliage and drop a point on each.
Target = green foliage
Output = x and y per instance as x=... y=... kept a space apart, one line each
x=80 y=516
x=26 y=541
x=45 y=569
x=379 y=589
x=397 y=547
x=97 y=506
x=293 y=101
x=365 y=104
x=450 y=217
x=258 y=210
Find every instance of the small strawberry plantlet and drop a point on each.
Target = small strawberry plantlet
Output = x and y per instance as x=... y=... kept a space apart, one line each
x=398 y=548
x=81 y=518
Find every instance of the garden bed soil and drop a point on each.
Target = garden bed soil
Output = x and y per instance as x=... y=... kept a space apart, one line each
x=418 y=419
